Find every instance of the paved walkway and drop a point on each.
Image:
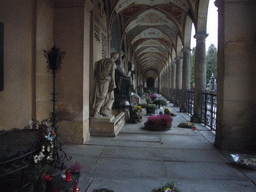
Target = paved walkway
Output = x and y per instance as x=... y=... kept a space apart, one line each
x=139 y=161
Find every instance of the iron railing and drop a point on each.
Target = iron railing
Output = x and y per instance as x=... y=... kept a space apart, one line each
x=209 y=109
x=179 y=97
x=190 y=102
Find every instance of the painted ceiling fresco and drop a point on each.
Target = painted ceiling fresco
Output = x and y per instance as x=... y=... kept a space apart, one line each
x=153 y=29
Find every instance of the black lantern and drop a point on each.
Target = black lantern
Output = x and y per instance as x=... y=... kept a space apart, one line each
x=54 y=58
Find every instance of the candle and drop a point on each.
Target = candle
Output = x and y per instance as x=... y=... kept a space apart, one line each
x=68 y=176
x=75 y=185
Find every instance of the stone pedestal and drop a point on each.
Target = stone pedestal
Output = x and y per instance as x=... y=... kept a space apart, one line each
x=107 y=126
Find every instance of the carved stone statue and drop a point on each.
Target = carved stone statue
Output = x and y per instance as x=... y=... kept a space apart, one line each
x=102 y=95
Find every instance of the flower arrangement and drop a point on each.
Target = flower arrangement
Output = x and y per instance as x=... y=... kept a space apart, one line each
x=159 y=120
x=151 y=108
x=136 y=114
x=143 y=105
x=158 y=123
x=138 y=108
x=169 y=187
x=187 y=125
x=47 y=136
x=168 y=112
x=153 y=96
x=149 y=100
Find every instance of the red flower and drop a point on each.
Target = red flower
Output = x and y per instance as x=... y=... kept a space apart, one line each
x=47 y=177
x=159 y=120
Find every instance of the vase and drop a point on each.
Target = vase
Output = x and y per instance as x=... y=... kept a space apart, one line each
x=157 y=127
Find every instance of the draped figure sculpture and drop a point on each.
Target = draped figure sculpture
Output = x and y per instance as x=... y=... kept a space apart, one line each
x=102 y=95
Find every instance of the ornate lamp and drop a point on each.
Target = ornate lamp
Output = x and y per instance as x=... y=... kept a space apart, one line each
x=54 y=58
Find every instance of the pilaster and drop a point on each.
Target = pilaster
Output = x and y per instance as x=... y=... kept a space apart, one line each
x=236 y=117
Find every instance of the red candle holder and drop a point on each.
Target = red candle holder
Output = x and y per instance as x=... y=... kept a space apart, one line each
x=68 y=176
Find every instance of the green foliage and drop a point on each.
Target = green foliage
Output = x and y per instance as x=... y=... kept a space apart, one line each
x=160 y=102
x=149 y=100
x=211 y=62
x=152 y=106
x=143 y=105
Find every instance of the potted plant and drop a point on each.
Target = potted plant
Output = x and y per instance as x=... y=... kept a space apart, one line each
x=151 y=108
x=136 y=114
x=159 y=123
x=153 y=97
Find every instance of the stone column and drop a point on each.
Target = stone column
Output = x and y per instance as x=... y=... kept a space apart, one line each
x=200 y=75
x=169 y=81
x=178 y=80
x=173 y=81
x=159 y=83
x=185 y=78
x=236 y=84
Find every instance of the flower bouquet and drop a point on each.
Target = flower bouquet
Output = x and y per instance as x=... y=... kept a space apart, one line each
x=168 y=112
x=136 y=115
x=158 y=123
x=187 y=125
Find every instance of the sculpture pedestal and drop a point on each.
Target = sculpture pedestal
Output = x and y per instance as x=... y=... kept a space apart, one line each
x=107 y=126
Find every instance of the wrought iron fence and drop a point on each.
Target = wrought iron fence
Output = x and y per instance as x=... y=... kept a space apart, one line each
x=190 y=102
x=209 y=109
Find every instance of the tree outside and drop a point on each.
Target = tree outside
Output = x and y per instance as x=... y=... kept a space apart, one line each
x=192 y=65
x=211 y=62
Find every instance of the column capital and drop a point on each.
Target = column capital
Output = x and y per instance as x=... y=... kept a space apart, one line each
x=200 y=36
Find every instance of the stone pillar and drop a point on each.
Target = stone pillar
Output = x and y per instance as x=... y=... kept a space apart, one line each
x=72 y=83
x=185 y=78
x=236 y=114
x=159 y=84
x=178 y=80
x=169 y=81
x=200 y=75
x=173 y=81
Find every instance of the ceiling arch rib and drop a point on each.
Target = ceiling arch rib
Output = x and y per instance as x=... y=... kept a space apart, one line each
x=155 y=30
x=152 y=43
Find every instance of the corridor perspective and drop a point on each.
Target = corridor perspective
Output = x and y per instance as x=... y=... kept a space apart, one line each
x=74 y=73
x=140 y=161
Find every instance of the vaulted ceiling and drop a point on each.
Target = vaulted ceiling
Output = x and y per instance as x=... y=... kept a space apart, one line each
x=155 y=30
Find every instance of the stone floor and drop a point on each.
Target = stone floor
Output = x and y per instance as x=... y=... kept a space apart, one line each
x=137 y=160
